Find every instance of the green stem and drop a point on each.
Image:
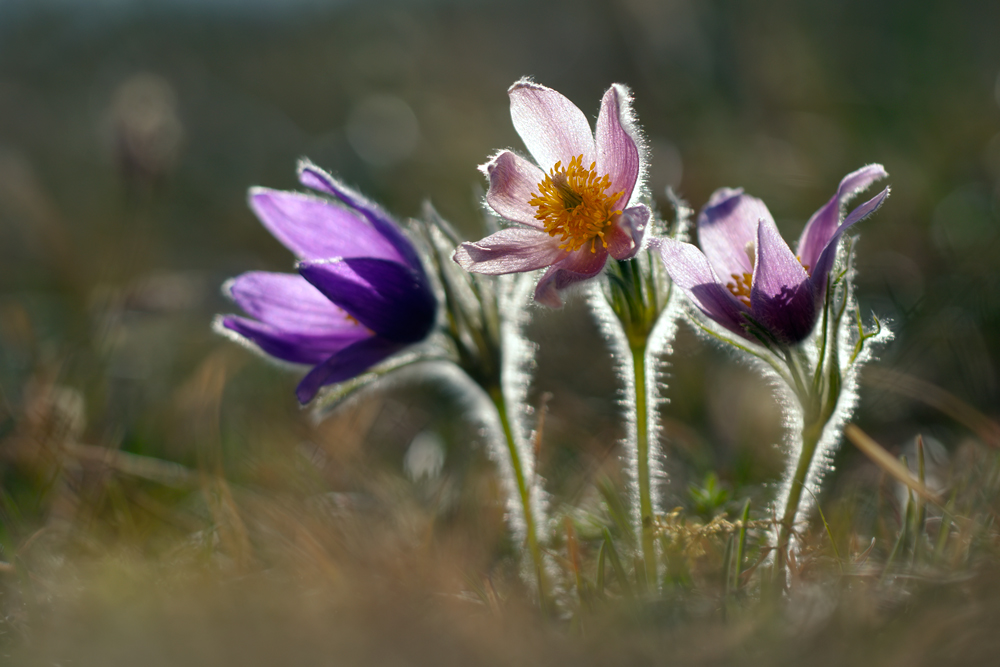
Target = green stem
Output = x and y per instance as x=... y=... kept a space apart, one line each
x=642 y=467
x=811 y=433
x=522 y=488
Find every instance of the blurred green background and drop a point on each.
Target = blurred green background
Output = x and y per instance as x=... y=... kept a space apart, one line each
x=130 y=132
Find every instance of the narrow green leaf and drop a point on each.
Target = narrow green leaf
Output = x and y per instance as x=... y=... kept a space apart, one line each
x=616 y=565
x=601 y=555
x=741 y=545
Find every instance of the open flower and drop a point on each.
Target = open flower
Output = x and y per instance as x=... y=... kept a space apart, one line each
x=746 y=278
x=574 y=205
x=360 y=295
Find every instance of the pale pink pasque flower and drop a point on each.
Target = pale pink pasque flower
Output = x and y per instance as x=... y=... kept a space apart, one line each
x=746 y=278
x=572 y=208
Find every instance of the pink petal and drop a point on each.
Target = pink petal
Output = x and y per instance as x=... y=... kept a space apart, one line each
x=823 y=265
x=513 y=182
x=510 y=250
x=553 y=128
x=625 y=236
x=690 y=270
x=727 y=230
x=617 y=153
x=824 y=222
x=578 y=266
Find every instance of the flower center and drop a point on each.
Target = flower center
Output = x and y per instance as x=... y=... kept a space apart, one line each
x=740 y=287
x=574 y=205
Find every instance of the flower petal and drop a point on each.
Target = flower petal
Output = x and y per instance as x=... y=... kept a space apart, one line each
x=315 y=228
x=513 y=182
x=781 y=297
x=823 y=224
x=313 y=177
x=389 y=298
x=820 y=272
x=727 y=230
x=691 y=271
x=577 y=266
x=510 y=250
x=345 y=364
x=288 y=302
x=617 y=152
x=553 y=128
x=626 y=233
x=293 y=346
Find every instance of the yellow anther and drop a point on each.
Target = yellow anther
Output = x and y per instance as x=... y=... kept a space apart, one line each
x=575 y=206
x=740 y=287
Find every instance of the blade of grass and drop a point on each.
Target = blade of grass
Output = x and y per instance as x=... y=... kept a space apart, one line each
x=891 y=466
x=945 y=529
x=601 y=557
x=616 y=510
x=863 y=556
x=616 y=565
x=727 y=569
x=741 y=544
x=829 y=533
x=901 y=540
x=921 y=511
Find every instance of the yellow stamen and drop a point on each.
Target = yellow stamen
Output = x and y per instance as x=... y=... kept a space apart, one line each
x=740 y=287
x=574 y=205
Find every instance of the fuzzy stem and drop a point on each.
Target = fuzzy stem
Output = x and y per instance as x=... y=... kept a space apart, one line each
x=522 y=487
x=811 y=433
x=642 y=463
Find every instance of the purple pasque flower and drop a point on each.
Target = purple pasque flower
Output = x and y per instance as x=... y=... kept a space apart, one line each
x=360 y=295
x=746 y=278
x=573 y=207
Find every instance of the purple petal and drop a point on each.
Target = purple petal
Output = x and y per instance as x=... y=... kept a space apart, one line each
x=513 y=182
x=690 y=270
x=820 y=272
x=553 y=128
x=617 y=153
x=389 y=298
x=823 y=224
x=625 y=236
x=781 y=297
x=345 y=364
x=292 y=346
x=577 y=266
x=313 y=177
x=510 y=250
x=727 y=230
x=314 y=228
x=863 y=211
x=287 y=302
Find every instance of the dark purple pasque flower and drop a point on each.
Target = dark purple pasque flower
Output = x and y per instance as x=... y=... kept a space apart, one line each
x=746 y=274
x=574 y=205
x=360 y=295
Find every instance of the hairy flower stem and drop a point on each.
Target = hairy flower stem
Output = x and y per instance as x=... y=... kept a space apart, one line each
x=811 y=433
x=818 y=401
x=642 y=464
x=496 y=394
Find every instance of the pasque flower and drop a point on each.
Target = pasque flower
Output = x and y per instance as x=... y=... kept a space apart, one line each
x=360 y=295
x=746 y=278
x=572 y=209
